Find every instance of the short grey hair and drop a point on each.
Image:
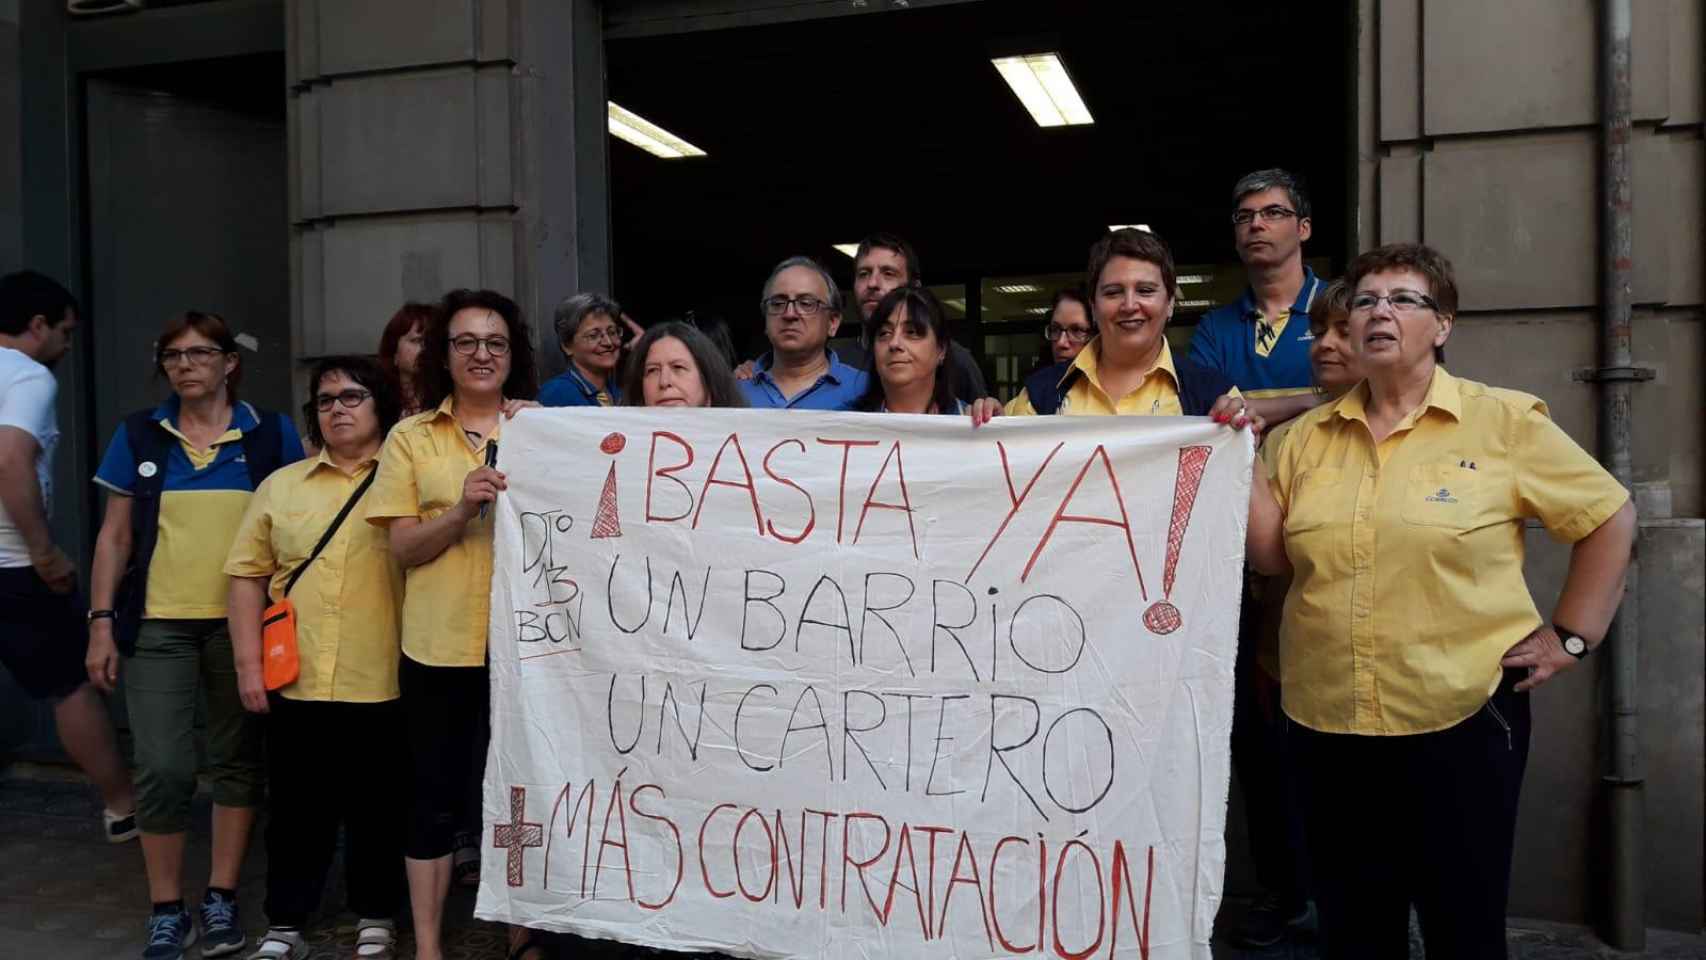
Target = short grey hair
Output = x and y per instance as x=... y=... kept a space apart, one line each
x=1267 y=180
x=573 y=310
x=810 y=264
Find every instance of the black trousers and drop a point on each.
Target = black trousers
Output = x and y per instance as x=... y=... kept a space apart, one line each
x=447 y=713
x=1426 y=819
x=1261 y=756
x=334 y=764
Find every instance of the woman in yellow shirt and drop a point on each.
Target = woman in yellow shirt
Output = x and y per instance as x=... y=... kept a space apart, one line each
x=1409 y=640
x=434 y=490
x=333 y=734
x=1128 y=368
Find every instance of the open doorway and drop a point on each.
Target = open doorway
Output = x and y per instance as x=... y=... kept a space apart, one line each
x=187 y=192
x=819 y=132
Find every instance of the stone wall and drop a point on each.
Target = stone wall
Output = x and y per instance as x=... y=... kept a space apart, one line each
x=1478 y=134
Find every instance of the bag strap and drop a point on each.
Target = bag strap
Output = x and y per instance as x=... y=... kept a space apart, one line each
x=326 y=538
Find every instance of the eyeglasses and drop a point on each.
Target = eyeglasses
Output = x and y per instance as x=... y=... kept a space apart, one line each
x=349 y=398
x=468 y=345
x=195 y=355
x=1403 y=301
x=1078 y=335
x=605 y=335
x=1273 y=213
x=807 y=304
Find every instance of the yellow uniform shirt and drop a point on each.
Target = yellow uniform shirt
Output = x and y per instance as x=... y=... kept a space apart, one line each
x=1408 y=584
x=447 y=600
x=347 y=601
x=1157 y=395
x=1268 y=593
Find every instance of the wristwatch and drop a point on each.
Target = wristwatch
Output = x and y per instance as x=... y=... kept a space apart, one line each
x=94 y=615
x=1574 y=645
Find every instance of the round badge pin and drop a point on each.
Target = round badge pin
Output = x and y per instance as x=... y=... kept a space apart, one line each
x=146 y=469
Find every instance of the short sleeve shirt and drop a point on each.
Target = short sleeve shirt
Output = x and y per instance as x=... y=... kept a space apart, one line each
x=27 y=393
x=839 y=388
x=1407 y=556
x=348 y=600
x=447 y=600
x=1264 y=356
x=1159 y=395
x=201 y=505
x=572 y=389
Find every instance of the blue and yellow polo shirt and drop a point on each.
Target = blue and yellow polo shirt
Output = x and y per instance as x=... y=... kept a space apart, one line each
x=571 y=388
x=1262 y=356
x=201 y=506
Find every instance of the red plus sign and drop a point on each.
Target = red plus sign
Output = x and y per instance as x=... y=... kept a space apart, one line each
x=517 y=835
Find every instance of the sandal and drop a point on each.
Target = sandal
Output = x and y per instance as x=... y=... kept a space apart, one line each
x=281 y=945
x=376 y=939
x=465 y=861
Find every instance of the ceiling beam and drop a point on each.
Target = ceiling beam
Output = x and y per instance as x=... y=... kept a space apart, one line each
x=657 y=18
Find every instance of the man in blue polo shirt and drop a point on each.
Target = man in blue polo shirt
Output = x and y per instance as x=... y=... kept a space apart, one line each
x=1261 y=341
x=802 y=309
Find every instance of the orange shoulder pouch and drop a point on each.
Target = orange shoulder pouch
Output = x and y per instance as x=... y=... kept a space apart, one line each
x=280 y=663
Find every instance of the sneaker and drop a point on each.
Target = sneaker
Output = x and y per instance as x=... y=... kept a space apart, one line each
x=281 y=945
x=221 y=933
x=169 y=934
x=120 y=826
x=1268 y=921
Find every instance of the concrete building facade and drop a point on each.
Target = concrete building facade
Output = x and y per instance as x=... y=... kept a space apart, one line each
x=1478 y=133
x=437 y=143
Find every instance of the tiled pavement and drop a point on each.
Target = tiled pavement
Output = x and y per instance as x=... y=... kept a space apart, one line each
x=65 y=894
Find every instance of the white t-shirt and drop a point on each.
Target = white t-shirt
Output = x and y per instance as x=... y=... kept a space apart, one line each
x=27 y=391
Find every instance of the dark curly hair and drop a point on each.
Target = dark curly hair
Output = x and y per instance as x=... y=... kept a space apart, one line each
x=433 y=380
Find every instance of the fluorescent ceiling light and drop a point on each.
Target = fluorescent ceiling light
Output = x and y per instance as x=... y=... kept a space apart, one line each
x=848 y=250
x=1195 y=278
x=1040 y=82
x=1037 y=310
x=957 y=305
x=627 y=125
x=1129 y=226
x=1194 y=304
x=1018 y=288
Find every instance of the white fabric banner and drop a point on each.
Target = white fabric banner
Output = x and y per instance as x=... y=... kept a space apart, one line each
x=851 y=685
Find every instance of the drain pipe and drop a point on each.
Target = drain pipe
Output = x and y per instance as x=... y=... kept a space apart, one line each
x=1626 y=908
